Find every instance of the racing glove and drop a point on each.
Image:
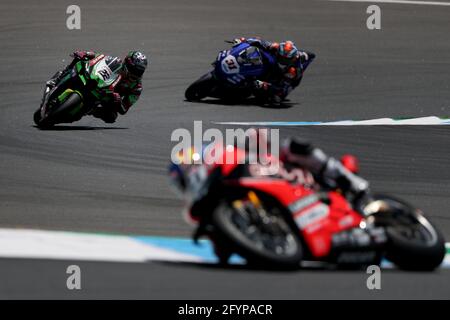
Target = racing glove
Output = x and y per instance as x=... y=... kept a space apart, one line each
x=257 y=42
x=237 y=41
x=83 y=55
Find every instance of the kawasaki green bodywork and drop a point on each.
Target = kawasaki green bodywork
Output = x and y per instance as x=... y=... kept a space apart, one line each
x=103 y=73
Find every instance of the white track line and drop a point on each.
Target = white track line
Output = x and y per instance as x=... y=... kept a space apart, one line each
x=61 y=245
x=40 y=244
x=427 y=3
x=431 y=120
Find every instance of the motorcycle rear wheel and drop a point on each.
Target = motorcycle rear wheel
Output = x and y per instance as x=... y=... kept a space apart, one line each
x=414 y=242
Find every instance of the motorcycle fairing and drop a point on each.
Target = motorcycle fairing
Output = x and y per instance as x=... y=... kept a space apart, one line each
x=105 y=71
x=242 y=62
x=317 y=218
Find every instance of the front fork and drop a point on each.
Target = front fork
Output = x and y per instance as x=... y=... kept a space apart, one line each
x=204 y=228
x=60 y=77
x=43 y=108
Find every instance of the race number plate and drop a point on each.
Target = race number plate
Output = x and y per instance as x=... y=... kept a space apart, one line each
x=230 y=65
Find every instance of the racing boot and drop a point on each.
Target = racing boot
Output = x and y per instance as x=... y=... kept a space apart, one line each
x=106 y=114
x=329 y=172
x=335 y=175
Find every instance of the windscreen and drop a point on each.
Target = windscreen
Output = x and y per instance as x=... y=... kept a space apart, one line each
x=250 y=56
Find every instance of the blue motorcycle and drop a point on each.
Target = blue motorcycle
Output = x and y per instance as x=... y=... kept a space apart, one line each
x=234 y=72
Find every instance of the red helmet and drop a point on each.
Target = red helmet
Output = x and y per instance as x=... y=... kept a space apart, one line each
x=287 y=52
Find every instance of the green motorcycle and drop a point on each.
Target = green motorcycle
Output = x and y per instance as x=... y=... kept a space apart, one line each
x=79 y=90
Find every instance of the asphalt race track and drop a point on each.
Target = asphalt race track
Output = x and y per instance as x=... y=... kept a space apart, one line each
x=92 y=177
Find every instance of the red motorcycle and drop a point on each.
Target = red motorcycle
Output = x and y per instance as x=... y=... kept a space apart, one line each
x=281 y=219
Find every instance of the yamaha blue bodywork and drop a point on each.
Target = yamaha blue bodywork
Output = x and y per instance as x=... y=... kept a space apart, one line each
x=242 y=62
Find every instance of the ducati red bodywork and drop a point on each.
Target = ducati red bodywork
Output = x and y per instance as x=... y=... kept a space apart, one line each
x=317 y=221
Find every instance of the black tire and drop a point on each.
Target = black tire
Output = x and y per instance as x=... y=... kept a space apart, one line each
x=406 y=252
x=42 y=124
x=60 y=114
x=201 y=88
x=37 y=116
x=256 y=256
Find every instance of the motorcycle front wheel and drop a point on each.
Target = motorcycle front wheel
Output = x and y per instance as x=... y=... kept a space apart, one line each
x=201 y=88
x=262 y=235
x=59 y=114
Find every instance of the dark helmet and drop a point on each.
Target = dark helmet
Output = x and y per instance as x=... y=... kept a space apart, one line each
x=135 y=63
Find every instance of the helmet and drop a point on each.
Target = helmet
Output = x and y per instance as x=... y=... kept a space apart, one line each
x=134 y=64
x=182 y=164
x=287 y=52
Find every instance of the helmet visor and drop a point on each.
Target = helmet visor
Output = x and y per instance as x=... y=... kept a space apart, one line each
x=286 y=61
x=137 y=71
